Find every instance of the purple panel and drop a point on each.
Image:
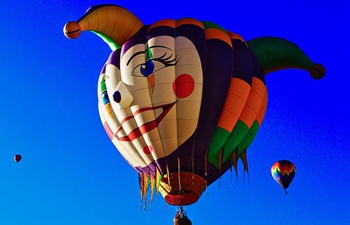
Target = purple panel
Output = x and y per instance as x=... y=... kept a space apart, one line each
x=114 y=58
x=163 y=30
x=218 y=72
x=138 y=38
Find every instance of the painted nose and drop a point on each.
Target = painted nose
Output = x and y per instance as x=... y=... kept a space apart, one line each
x=122 y=96
x=151 y=81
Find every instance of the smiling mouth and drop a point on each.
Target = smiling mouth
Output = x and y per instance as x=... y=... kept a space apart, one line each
x=147 y=127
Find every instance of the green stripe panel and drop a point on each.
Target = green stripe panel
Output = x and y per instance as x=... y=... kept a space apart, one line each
x=208 y=24
x=276 y=53
x=219 y=138
x=240 y=138
x=236 y=136
x=112 y=45
x=248 y=138
x=103 y=85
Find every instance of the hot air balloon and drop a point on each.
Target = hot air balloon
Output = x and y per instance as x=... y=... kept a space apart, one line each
x=182 y=100
x=17 y=158
x=283 y=172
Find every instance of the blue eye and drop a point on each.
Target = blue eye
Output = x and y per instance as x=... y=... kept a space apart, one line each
x=147 y=68
x=104 y=98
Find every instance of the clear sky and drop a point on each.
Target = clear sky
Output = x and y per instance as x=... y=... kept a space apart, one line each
x=71 y=173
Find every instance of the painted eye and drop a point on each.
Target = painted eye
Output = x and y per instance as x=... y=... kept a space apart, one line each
x=104 y=98
x=147 y=68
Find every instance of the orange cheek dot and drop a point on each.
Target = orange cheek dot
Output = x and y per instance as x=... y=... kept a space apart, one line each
x=183 y=85
x=147 y=149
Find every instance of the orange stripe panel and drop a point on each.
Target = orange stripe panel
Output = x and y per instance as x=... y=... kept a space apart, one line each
x=214 y=33
x=248 y=115
x=227 y=120
x=165 y=22
x=189 y=21
x=262 y=111
x=236 y=98
x=254 y=102
x=236 y=36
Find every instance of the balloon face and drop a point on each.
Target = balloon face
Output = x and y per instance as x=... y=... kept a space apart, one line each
x=283 y=172
x=153 y=102
x=17 y=158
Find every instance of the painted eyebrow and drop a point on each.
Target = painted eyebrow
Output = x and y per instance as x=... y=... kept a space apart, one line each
x=141 y=52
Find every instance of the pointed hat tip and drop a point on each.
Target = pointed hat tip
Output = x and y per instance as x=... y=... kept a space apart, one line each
x=317 y=71
x=72 y=30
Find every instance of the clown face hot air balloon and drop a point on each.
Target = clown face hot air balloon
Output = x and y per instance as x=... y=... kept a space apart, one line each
x=182 y=100
x=283 y=173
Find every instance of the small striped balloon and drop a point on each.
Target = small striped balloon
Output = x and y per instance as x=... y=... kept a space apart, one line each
x=283 y=172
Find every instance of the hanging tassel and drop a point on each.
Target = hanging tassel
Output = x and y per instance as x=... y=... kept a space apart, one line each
x=158 y=179
x=144 y=184
x=245 y=162
x=153 y=186
x=234 y=159
x=141 y=184
x=220 y=164
x=168 y=173
x=206 y=171
x=193 y=166
x=179 y=172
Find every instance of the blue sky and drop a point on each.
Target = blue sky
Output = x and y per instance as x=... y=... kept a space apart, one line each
x=71 y=173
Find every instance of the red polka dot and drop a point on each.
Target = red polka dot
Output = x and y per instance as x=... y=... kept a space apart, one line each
x=147 y=149
x=183 y=86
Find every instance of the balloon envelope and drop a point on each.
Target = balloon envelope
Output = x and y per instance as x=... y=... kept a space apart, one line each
x=17 y=158
x=182 y=100
x=283 y=172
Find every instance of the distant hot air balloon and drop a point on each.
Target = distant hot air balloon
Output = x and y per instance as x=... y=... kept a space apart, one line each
x=182 y=100
x=17 y=158
x=283 y=172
